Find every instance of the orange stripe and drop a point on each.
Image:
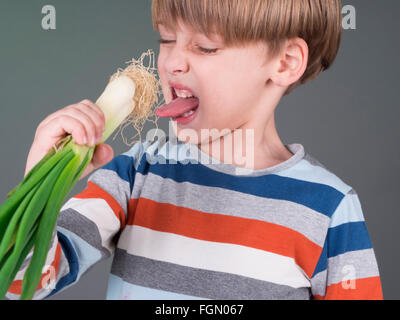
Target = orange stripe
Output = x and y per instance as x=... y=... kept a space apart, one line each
x=364 y=289
x=252 y=233
x=93 y=191
x=133 y=203
x=16 y=286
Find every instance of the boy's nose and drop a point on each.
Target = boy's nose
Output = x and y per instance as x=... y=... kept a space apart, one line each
x=176 y=62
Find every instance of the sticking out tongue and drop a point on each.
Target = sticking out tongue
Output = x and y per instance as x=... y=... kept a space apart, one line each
x=177 y=107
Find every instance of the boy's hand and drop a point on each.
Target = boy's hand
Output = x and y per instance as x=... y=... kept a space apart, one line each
x=85 y=121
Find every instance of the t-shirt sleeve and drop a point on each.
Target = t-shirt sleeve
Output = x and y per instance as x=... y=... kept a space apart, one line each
x=347 y=267
x=87 y=229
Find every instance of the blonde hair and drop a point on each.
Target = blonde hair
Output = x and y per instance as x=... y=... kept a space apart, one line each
x=318 y=22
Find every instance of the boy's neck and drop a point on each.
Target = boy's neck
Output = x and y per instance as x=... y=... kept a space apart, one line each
x=249 y=147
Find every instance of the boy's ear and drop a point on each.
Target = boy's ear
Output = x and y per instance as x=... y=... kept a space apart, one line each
x=291 y=62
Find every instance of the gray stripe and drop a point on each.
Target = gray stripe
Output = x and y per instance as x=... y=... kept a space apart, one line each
x=213 y=200
x=138 y=186
x=318 y=284
x=197 y=282
x=120 y=190
x=84 y=228
x=361 y=262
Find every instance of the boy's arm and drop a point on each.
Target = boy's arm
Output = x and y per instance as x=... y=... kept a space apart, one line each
x=87 y=229
x=347 y=267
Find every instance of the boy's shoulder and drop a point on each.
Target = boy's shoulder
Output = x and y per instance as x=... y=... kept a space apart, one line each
x=326 y=189
x=310 y=170
x=318 y=187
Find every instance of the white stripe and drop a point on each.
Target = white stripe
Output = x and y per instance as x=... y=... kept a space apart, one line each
x=49 y=259
x=137 y=151
x=352 y=265
x=221 y=257
x=100 y=213
x=349 y=210
x=304 y=171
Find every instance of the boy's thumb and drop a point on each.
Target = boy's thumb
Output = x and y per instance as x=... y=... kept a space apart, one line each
x=103 y=154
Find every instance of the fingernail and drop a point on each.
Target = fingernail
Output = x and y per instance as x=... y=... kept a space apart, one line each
x=85 y=140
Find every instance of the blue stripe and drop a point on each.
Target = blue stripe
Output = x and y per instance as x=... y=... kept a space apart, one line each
x=87 y=254
x=73 y=262
x=319 y=197
x=347 y=237
x=123 y=166
x=350 y=236
x=323 y=260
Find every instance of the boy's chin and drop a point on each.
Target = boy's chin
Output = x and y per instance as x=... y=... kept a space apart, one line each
x=187 y=135
x=197 y=136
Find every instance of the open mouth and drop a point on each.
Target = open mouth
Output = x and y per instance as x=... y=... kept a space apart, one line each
x=174 y=95
x=186 y=115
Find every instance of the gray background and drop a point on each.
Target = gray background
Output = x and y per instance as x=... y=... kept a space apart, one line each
x=347 y=118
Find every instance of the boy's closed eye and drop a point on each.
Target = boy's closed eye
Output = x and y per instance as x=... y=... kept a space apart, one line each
x=202 y=49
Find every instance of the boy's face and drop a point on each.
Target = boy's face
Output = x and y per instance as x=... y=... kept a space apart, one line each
x=230 y=83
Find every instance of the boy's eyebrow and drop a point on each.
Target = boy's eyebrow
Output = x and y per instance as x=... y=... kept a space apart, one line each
x=165 y=28
x=160 y=25
x=213 y=37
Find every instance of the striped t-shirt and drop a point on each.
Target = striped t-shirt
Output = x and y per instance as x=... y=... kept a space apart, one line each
x=182 y=225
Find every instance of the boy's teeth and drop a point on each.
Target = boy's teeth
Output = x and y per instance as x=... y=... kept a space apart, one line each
x=187 y=113
x=183 y=93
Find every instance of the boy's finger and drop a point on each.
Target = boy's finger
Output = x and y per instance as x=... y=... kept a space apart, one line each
x=102 y=155
x=61 y=125
x=94 y=107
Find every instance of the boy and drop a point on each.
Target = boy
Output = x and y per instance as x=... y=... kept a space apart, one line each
x=287 y=228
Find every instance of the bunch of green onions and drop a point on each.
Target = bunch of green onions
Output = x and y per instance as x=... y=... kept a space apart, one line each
x=29 y=215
